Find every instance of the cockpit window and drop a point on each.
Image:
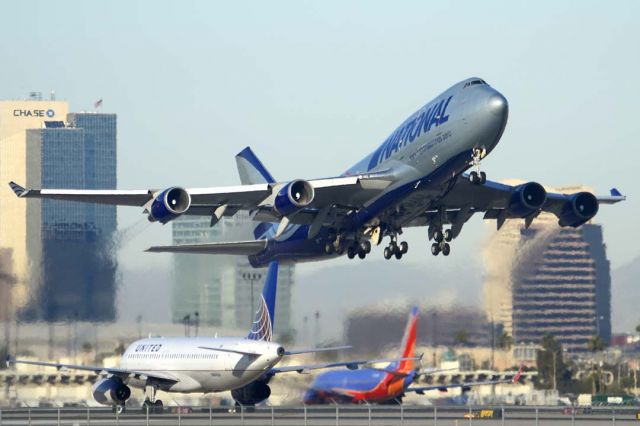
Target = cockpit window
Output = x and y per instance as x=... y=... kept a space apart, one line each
x=473 y=82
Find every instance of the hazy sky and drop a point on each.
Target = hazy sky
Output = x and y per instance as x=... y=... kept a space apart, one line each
x=313 y=87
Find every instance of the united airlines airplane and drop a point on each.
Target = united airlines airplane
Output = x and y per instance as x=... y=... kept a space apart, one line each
x=386 y=384
x=202 y=364
x=417 y=177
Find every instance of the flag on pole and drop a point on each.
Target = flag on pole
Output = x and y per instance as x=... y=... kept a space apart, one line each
x=98 y=103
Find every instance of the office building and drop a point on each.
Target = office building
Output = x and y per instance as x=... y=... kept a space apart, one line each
x=61 y=253
x=548 y=279
x=223 y=289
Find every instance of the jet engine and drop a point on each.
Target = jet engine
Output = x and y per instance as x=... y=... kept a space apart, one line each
x=169 y=204
x=526 y=199
x=110 y=391
x=580 y=207
x=293 y=196
x=253 y=393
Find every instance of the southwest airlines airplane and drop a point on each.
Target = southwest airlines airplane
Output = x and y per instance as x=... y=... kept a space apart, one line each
x=382 y=385
x=415 y=178
x=202 y=364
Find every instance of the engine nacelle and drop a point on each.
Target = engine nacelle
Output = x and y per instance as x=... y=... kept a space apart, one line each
x=169 y=204
x=293 y=196
x=252 y=394
x=526 y=199
x=580 y=207
x=110 y=391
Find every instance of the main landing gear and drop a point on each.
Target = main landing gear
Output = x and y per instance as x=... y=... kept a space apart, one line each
x=477 y=177
x=395 y=249
x=360 y=249
x=441 y=244
x=150 y=403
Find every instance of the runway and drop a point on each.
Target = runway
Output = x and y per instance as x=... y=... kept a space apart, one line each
x=321 y=416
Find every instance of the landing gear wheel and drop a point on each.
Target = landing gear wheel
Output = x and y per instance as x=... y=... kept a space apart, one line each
x=361 y=254
x=438 y=236
x=404 y=247
x=398 y=254
x=446 y=249
x=351 y=253
x=483 y=178
x=158 y=407
x=435 y=249
x=328 y=248
x=474 y=178
x=365 y=246
x=448 y=235
x=387 y=253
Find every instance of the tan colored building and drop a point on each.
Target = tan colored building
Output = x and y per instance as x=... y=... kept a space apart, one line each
x=20 y=222
x=548 y=279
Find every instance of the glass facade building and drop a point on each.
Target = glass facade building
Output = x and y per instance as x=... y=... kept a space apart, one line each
x=222 y=288
x=68 y=247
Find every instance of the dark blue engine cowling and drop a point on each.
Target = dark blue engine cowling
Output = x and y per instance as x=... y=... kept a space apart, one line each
x=111 y=391
x=293 y=196
x=252 y=394
x=526 y=199
x=170 y=204
x=580 y=207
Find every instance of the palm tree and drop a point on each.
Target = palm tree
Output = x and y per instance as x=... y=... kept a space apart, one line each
x=461 y=337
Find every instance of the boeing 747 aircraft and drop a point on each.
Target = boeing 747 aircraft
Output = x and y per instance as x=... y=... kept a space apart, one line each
x=202 y=364
x=415 y=178
x=382 y=385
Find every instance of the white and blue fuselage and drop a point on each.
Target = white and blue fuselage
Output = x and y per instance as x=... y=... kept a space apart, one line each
x=425 y=155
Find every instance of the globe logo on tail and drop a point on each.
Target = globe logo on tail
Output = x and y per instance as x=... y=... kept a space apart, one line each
x=261 y=326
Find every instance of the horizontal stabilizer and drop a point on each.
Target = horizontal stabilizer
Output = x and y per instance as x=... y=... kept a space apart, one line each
x=243 y=248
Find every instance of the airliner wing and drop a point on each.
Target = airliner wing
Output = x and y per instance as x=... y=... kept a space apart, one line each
x=155 y=376
x=494 y=199
x=351 y=365
x=465 y=385
x=344 y=191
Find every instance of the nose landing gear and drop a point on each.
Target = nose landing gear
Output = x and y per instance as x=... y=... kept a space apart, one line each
x=477 y=177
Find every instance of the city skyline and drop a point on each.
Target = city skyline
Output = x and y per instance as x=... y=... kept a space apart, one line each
x=226 y=77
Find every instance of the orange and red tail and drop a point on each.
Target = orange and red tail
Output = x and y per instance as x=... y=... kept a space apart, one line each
x=409 y=343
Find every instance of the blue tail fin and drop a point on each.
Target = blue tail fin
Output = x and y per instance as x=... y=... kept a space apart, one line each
x=262 y=327
x=250 y=168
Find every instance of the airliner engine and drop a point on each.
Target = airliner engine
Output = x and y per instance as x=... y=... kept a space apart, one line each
x=581 y=207
x=169 y=204
x=526 y=199
x=294 y=196
x=110 y=391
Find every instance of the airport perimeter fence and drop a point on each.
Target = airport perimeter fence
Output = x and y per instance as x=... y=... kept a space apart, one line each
x=327 y=415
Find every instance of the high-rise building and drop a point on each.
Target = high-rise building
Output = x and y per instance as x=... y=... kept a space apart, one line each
x=223 y=289
x=548 y=279
x=61 y=254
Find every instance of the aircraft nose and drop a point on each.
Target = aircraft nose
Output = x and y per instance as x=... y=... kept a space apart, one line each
x=498 y=104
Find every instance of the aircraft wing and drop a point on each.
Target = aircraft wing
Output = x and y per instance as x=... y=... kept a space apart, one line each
x=344 y=191
x=465 y=385
x=351 y=365
x=500 y=202
x=154 y=377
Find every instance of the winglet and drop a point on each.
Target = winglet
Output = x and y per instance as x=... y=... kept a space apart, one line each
x=615 y=193
x=17 y=189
